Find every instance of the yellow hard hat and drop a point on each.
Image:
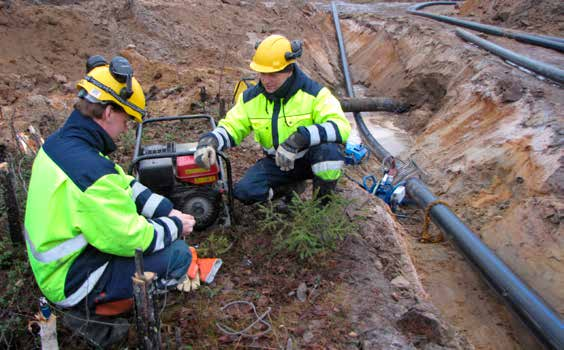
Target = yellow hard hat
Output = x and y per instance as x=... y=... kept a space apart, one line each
x=275 y=53
x=113 y=83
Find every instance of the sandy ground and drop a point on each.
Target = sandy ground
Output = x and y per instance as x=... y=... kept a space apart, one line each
x=489 y=137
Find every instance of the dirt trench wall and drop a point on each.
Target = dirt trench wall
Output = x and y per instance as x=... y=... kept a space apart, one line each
x=499 y=160
x=486 y=133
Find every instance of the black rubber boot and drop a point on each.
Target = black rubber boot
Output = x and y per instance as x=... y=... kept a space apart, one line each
x=286 y=192
x=324 y=190
x=100 y=331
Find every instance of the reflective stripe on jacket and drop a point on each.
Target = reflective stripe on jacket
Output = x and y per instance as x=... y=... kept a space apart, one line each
x=307 y=104
x=82 y=209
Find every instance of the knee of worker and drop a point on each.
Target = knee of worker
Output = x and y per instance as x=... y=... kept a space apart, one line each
x=250 y=193
x=327 y=161
x=180 y=258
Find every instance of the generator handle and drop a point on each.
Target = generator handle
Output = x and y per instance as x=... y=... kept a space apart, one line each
x=179 y=117
x=137 y=159
x=229 y=181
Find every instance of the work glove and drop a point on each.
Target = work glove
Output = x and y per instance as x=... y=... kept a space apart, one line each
x=192 y=281
x=206 y=152
x=189 y=284
x=200 y=270
x=287 y=152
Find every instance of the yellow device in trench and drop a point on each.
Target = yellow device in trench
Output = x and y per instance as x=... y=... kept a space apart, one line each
x=241 y=86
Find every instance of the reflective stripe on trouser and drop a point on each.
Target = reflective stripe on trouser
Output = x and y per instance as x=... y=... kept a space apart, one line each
x=264 y=175
x=328 y=170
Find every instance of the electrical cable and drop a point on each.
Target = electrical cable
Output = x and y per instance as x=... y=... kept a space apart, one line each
x=259 y=319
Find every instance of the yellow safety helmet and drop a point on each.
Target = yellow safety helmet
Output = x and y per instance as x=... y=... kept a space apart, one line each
x=275 y=53
x=113 y=83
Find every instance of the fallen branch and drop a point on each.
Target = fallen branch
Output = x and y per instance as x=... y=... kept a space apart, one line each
x=7 y=180
x=148 y=324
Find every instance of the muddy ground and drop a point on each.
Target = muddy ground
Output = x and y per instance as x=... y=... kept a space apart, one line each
x=487 y=135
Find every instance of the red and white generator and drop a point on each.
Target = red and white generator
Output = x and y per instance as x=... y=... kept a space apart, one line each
x=171 y=170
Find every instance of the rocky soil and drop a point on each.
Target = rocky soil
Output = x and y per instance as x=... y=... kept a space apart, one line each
x=487 y=135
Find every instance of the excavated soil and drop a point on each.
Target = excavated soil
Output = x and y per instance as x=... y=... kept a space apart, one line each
x=487 y=135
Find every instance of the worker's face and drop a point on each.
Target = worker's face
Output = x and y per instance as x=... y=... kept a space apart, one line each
x=114 y=121
x=272 y=81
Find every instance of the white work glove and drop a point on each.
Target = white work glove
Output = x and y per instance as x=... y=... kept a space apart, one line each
x=285 y=158
x=287 y=152
x=189 y=284
x=205 y=154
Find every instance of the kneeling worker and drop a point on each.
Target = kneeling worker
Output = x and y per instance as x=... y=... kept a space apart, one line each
x=298 y=122
x=85 y=217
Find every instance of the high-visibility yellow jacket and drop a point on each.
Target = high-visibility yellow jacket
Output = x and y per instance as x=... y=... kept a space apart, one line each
x=82 y=209
x=307 y=107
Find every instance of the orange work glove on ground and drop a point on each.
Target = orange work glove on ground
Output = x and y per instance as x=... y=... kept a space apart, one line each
x=200 y=269
x=192 y=281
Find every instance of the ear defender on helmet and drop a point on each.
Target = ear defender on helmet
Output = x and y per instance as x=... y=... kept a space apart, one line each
x=95 y=61
x=296 y=46
x=123 y=72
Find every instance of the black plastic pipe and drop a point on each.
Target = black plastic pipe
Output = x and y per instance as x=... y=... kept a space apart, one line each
x=553 y=38
x=544 y=322
x=529 y=306
x=554 y=43
x=377 y=148
x=373 y=104
x=539 y=67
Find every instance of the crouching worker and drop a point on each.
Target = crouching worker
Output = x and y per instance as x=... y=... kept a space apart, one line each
x=85 y=217
x=298 y=122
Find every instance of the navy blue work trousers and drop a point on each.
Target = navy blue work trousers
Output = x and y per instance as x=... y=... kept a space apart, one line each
x=265 y=174
x=169 y=263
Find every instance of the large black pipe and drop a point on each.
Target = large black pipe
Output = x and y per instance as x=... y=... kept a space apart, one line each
x=373 y=104
x=377 y=148
x=554 y=43
x=539 y=67
x=553 y=38
x=528 y=305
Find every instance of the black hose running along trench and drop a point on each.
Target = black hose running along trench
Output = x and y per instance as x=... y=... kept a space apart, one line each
x=543 y=321
x=539 y=67
x=377 y=148
x=549 y=42
x=554 y=73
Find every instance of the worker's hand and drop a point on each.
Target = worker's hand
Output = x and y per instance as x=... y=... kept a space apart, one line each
x=205 y=157
x=188 y=221
x=206 y=152
x=189 y=284
x=285 y=158
x=287 y=152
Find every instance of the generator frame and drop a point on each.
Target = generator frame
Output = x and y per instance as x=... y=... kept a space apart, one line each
x=224 y=164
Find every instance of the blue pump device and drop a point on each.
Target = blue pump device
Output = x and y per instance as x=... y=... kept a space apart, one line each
x=385 y=189
x=355 y=153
